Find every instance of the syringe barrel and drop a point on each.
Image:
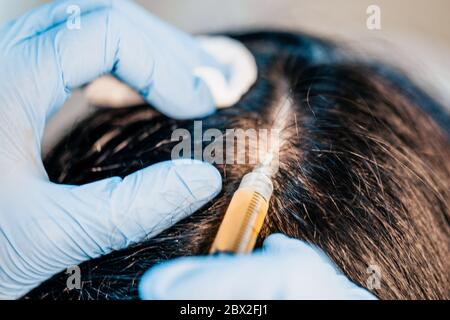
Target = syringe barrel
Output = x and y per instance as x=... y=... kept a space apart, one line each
x=245 y=215
x=259 y=182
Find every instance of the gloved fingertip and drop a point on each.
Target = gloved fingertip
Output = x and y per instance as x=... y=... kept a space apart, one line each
x=275 y=238
x=201 y=178
x=158 y=282
x=279 y=242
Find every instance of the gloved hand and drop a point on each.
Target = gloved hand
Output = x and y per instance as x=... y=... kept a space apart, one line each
x=284 y=268
x=46 y=227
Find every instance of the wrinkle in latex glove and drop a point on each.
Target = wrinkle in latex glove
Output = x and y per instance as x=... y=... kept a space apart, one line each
x=284 y=269
x=47 y=227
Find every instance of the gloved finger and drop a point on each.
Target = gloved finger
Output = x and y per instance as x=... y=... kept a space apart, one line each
x=281 y=244
x=115 y=212
x=109 y=42
x=262 y=275
x=228 y=82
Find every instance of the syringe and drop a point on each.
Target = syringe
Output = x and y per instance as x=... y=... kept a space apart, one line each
x=246 y=213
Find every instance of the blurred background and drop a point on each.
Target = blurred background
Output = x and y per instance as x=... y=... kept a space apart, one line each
x=415 y=34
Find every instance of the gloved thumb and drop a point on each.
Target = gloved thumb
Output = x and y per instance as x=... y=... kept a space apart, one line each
x=64 y=225
x=147 y=202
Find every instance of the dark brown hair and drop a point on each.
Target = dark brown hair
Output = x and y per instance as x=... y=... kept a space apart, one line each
x=364 y=171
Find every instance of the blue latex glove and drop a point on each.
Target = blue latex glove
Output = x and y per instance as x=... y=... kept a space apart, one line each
x=284 y=269
x=46 y=227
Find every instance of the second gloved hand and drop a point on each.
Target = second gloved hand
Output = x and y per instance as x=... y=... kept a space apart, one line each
x=284 y=269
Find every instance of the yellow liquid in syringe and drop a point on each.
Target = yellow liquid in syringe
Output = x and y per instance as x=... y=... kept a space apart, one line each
x=242 y=222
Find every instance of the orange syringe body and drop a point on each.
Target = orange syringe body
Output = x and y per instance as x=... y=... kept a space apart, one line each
x=245 y=215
